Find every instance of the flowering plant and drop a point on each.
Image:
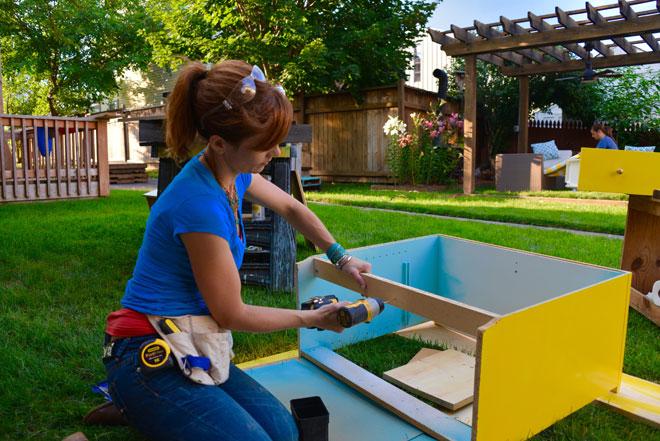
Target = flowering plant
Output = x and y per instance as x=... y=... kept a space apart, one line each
x=427 y=154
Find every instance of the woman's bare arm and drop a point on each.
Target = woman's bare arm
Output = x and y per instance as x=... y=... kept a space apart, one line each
x=218 y=281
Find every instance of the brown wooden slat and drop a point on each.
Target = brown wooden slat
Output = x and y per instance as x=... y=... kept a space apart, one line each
x=515 y=29
x=87 y=155
x=76 y=147
x=540 y=25
x=491 y=33
x=442 y=39
x=557 y=36
x=25 y=155
x=465 y=37
x=569 y=23
x=630 y=14
x=470 y=125
x=578 y=65
x=103 y=168
x=598 y=20
x=13 y=154
x=67 y=154
x=35 y=149
x=2 y=160
x=58 y=160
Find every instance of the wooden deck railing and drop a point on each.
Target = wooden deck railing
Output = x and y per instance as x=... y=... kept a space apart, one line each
x=45 y=157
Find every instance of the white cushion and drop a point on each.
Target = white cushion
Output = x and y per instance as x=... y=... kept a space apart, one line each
x=650 y=148
x=548 y=149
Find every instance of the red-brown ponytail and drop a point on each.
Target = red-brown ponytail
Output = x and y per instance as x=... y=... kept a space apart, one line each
x=198 y=91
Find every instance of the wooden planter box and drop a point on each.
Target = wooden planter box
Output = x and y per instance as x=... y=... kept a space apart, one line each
x=550 y=336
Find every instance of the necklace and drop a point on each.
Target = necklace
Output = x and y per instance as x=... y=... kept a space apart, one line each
x=230 y=193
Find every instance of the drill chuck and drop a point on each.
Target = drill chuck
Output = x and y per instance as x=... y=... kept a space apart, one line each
x=363 y=310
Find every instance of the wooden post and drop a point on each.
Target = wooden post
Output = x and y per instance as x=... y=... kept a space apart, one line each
x=2 y=105
x=523 y=113
x=283 y=238
x=401 y=99
x=470 y=123
x=103 y=165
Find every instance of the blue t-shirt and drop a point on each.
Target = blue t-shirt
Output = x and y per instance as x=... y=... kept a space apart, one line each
x=607 y=143
x=163 y=281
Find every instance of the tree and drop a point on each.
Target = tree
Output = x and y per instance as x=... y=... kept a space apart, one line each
x=78 y=47
x=311 y=46
x=632 y=100
x=497 y=100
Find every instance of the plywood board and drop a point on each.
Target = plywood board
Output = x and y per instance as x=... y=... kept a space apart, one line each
x=434 y=333
x=636 y=398
x=446 y=378
x=455 y=315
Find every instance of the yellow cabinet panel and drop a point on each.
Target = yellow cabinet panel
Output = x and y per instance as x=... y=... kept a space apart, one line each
x=619 y=171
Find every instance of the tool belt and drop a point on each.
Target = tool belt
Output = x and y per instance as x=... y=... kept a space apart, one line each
x=201 y=348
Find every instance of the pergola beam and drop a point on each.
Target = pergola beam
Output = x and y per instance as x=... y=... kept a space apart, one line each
x=513 y=28
x=597 y=19
x=541 y=26
x=568 y=22
x=640 y=58
x=556 y=36
x=466 y=38
x=488 y=32
x=443 y=39
x=631 y=15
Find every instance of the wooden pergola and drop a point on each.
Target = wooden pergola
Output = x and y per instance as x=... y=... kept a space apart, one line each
x=619 y=34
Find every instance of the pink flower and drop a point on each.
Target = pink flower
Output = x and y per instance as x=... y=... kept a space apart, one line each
x=405 y=140
x=428 y=124
x=460 y=124
x=434 y=134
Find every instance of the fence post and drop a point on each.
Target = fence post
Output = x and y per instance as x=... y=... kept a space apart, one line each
x=102 y=163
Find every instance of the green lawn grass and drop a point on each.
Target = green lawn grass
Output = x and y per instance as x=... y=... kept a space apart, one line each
x=63 y=266
x=488 y=205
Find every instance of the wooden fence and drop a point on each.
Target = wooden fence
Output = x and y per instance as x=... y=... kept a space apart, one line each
x=52 y=158
x=348 y=141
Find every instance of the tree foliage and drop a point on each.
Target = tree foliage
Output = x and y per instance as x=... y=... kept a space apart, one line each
x=313 y=46
x=619 y=101
x=78 y=48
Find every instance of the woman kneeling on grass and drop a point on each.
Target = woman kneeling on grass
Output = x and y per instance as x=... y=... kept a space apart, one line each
x=185 y=293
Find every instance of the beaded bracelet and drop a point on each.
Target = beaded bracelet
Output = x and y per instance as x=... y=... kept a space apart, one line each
x=335 y=252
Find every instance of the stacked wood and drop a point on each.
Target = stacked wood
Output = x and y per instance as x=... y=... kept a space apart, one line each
x=128 y=173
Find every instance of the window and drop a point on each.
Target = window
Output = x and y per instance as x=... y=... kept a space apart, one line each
x=418 y=67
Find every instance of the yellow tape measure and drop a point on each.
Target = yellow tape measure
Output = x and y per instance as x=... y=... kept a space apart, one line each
x=154 y=354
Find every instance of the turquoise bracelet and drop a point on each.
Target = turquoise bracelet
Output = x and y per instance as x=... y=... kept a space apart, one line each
x=335 y=252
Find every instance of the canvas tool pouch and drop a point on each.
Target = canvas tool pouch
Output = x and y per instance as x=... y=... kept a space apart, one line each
x=198 y=337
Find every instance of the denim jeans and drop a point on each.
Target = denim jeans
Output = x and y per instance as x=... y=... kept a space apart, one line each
x=165 y=405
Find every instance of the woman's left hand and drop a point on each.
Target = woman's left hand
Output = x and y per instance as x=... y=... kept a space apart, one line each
x=356 y=266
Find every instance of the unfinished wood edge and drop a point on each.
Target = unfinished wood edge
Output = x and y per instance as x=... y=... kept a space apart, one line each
x=458 y=315
x=423 y=353
x=644 y=306
x=477 y=376
x=647 y=417
x=446 y=404
x=406 y=415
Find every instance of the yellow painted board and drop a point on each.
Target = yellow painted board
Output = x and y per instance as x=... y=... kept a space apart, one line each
x=636 y=398
x=269 y=360
x=542 y=363
x=619 y=171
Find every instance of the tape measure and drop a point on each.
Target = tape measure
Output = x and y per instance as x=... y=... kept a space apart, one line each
x=155 y=354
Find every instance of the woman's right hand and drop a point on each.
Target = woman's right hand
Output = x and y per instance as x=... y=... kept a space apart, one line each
x=326 y=317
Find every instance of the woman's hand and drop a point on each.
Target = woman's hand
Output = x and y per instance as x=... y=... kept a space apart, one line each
x=355 y=267
x=326 y=317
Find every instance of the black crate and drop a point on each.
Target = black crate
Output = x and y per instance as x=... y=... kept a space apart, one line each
x=312 y=418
